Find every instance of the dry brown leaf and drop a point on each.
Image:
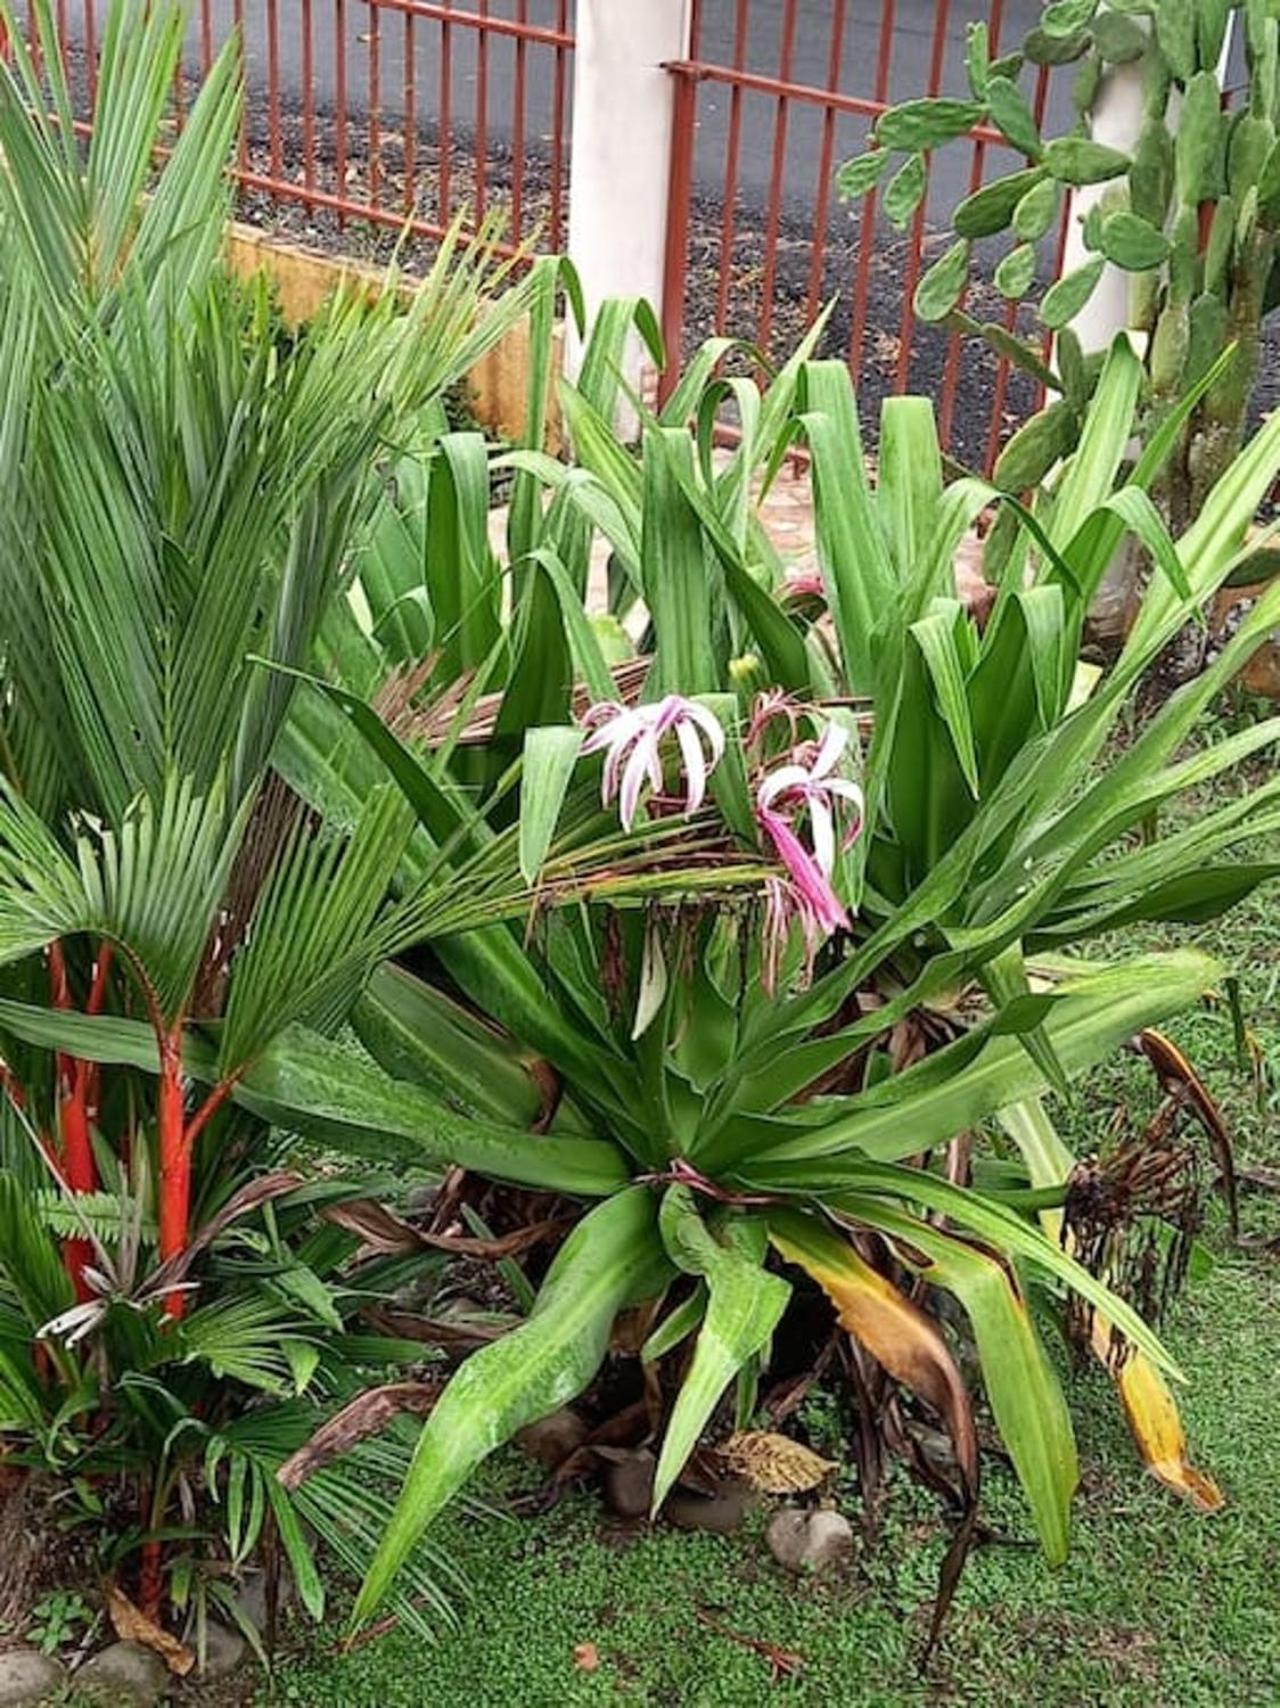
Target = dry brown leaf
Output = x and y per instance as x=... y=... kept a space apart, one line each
x=774 y=1463
x=586 y=1657
x=132 y=1625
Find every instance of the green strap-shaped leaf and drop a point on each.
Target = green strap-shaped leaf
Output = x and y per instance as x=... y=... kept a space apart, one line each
x=744 y=1305
x=613 y=1258
x=1096 y=1014
x=674 y=567
x=852 y=546
x=936 y=638
x=549 y=758
x=308 y=1084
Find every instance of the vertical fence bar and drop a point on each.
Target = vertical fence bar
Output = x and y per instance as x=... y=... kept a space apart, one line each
x=1003 y=366
x=679 y=199
x=871 y=203
x=728 y=213
x=206 y=32
x=308 y=101
x=409 y=115
x=274 y=150
x=517 y=125
x=951 y=368
x=906 y=327
x=826 y=161
x=375 y=105
x=558 y=96
x=777 y=168
x=237 y=14
x=482 y=115
x=444 y=199
x=340 y=102
x=91 y=51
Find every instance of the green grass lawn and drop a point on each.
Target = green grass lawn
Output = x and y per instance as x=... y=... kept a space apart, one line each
x=1156 y=1605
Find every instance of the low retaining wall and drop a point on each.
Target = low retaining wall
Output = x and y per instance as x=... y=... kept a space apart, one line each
x=305 y=279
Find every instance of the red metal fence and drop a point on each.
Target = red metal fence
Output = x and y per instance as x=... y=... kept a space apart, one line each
x=398 y=114
x=367 y=118
x=773 y=96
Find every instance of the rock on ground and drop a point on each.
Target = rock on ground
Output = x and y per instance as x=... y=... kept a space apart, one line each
x=27 y=1677
x=123 y=1676
x=224 y=1650
x=809 y=1541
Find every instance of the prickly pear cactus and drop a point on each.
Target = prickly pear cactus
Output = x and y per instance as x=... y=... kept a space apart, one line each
x=1193 y=216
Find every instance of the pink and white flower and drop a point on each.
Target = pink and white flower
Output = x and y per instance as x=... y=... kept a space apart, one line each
x=807 y=787
x=631 y=738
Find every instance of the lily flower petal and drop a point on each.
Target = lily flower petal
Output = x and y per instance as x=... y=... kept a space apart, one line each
x=805 y=873
x=695 y=765
x=835 y=738
x=822 y=826
x=630 y=737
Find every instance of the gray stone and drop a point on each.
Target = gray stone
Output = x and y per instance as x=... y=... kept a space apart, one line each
x=126 y=1675
x=551 y=1440
x=27 y=1677
x=421 y=1200
x=628 y=1482
x=809 y=1541
x=224 y=1650
x=721 y=1513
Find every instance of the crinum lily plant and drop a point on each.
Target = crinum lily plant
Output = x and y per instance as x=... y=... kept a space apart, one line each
x=734 y=1088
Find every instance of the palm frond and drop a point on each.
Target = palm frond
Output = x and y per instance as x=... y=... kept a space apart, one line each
x=312 y=942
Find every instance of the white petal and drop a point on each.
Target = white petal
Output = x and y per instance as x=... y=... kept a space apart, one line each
x=613 y=760
x=824 y=834
x=835 y=738
x=695 y=766
x=710 y=726
x=779 y=781
x=632 y=782
x=623 y=725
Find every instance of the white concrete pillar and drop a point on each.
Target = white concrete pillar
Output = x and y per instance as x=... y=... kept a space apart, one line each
x=622 y=120
x=1117 y=122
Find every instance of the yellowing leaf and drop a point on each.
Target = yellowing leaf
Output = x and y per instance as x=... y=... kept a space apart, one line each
x=1157 y=1429
x=894 y=1331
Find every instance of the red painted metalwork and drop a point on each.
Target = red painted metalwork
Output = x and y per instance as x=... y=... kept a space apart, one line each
x=399 y=144
x=353 y=143
x=747 y=98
